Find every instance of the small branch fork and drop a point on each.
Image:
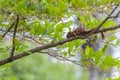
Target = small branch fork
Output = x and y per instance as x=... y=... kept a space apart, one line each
x=105 y=20
x=54 y=44
x=50 y=45
x=15 y=22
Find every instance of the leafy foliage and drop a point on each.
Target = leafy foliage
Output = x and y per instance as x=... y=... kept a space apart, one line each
x=43 y=20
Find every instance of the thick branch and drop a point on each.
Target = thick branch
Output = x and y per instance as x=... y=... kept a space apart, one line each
x=49 y=45
x=37 y=49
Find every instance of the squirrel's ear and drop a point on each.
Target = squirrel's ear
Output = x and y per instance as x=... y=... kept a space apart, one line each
x=68 y=35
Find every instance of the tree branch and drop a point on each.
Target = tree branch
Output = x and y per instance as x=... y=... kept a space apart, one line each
x=14 y=34
x=60 y=57
x=115 y=15
x=100 y=25
x=107 y=29
x=8 y=29
x=50 y=45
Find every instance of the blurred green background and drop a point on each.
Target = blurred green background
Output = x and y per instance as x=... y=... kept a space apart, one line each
x=41 y=67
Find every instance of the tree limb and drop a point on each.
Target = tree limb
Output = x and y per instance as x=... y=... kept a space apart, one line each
x=13 y=43
x=50 y=45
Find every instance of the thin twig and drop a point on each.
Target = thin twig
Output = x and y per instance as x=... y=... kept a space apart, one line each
x=8 y=29
x=5 y=11
x=60 y=57
x=14 y=35
x=34 y=40
x=8 y=12
x=107 y=29
x=115 y=15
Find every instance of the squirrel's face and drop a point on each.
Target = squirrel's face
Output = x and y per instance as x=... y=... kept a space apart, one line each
x=71 y=34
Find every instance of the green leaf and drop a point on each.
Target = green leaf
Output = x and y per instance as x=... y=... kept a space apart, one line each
x=105 y=48
x=112 y=38
x=1 y=37
x=87 y=50
x=109 y=23
x=70 y=46
x=65 y=53
x=118 y=42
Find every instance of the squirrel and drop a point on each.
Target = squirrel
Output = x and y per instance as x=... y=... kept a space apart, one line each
x=81 y=31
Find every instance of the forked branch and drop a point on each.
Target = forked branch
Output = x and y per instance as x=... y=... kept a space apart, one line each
x=50 y=45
